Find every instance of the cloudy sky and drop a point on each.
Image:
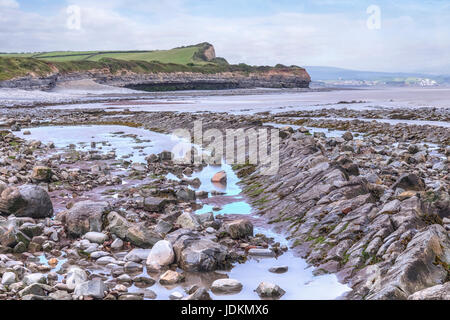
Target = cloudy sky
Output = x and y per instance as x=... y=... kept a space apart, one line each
x=413 y=35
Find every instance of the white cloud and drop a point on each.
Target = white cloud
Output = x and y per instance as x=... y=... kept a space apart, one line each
x=8 y=4
x=402 y=44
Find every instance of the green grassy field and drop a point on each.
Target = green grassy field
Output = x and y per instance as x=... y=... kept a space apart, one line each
x=183 y=55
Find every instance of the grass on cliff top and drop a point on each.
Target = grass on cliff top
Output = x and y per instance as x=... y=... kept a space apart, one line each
x=183 y=55
x=18 y=67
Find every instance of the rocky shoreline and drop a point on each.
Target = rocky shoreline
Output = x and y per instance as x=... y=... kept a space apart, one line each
x=371 y=206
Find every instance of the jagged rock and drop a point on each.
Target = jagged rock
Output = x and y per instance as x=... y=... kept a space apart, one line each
x=137 y=234
x=199 y=294
x=154 y=204
x=75 y=276
x=439 y=292
x=171 y=277
x=196 y=254
x=189 y=220
x=391 y=207
x=93 y=288
x=415 y=268
x=26 y=201
x=239 y=229
x=118 y=225
x=185 y=194
x=41 y=173
x=85 y=216
x=269 y=290
x=409 y=181
x=141 y=236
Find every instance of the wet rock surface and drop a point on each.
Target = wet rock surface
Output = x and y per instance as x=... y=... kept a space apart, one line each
x=371 y=206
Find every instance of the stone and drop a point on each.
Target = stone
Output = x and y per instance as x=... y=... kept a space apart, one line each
x=414 y=268
x=85 y=216
x=162 y=253
x=75 y=276
x=347 y=136
x=137 y=255
x=26 y=201
x=279 y=269
x=33 y=289
x=31 y=229
x=133 y=267
x=143 y=281
x=171 y=277
x=220 y=177
x=93 y=288
x=117 y=244
x=439 y=292
x=8 y=278
x=154 y=204
x=269 y=290
x=60 y=295
x=166 y=156
x=201 y=255
x=199 y=294
x=185 y=194
x=34 y=278
x=41 y=174
x=189 y=220
x=409 y=181
x=261 y=252
x=98 y=254
x=96 y=237
x=142 y=237
x=163 y=227
x=391 y=207
x=176 y=296
x=226 y=286
x=239 y=229
x=118 y=225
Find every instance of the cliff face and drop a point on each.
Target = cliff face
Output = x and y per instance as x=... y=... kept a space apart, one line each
x=273 y=78
x=224 y=80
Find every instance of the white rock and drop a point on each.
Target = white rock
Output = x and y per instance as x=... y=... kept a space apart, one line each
x=32 y=278
x=96 y=237
x=94 y=288
x=161 y=253
x=75 y=276
x=99 y=254
x=8 y=278
x=226 y=286
x=176 y=296
x=117 y=244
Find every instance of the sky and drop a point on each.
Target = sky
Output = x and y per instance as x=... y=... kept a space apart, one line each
x=376 y=35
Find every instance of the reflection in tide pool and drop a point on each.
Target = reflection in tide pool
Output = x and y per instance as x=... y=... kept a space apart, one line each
x=239 y=207
x=131 y=144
